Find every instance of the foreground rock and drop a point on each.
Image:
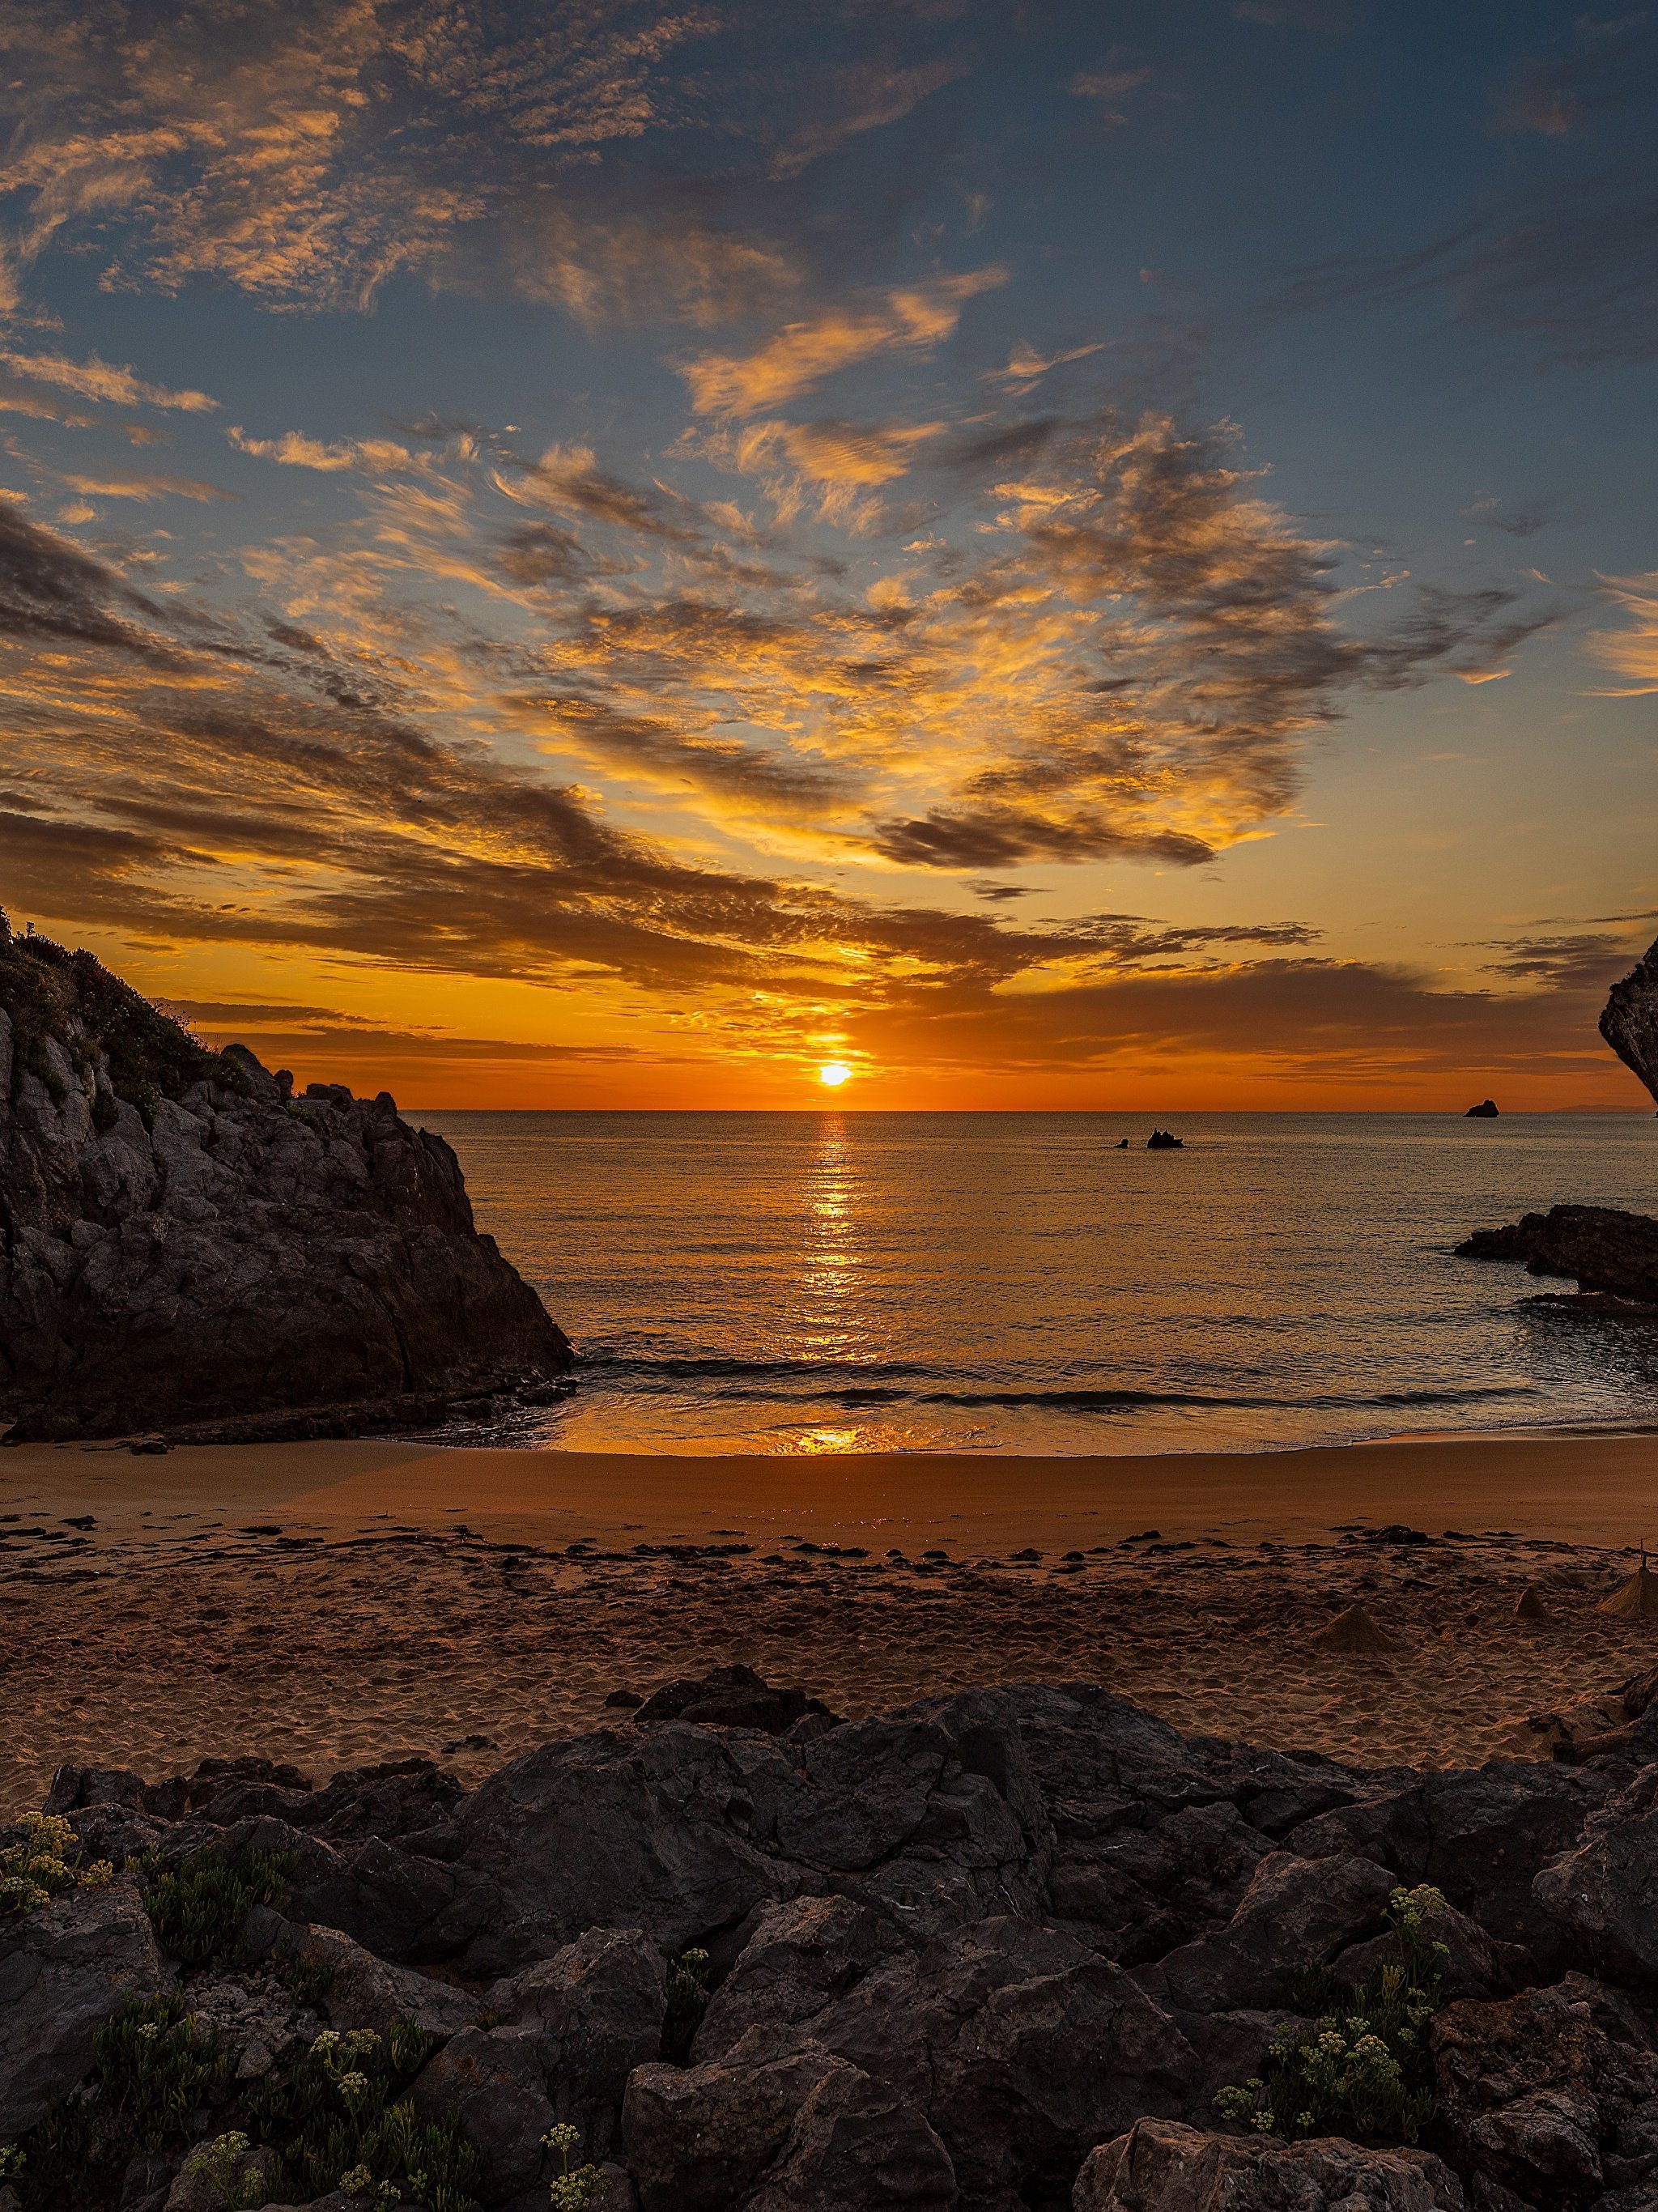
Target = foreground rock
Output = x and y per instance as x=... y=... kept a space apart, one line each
x=1163 y=2168
x=184 y=1243
x=1609 y=1252
x=996 y=1952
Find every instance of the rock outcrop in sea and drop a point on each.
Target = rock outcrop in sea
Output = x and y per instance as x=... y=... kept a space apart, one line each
x=184 y=1243
x=1608 y=1253
x=1629 y=1021
x=1000 y=1952
x=1614 y=1254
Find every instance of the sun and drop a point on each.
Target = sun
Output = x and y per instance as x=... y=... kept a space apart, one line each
x=835 y=1074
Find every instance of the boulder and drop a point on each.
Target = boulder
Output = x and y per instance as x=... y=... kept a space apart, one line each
x=1163 y=2167
x=801 y=1956
x=1605 y=1893
x=1553 y=2095
x=182 y=1243
x=365 y=1990
x=1477 y=1833
x=65 y=1969
x=1297 y=1913
x=1486 y=1110
x=730 y=1696
x=592 y=2013
x=1023 y=2047
x=802 y=2132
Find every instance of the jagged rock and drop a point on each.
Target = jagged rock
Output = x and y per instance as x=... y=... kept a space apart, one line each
x=1486 y=1110
x=591 y=2013
x=805 y=2132
x=1606 y=1251
x=1553 y=2095
x=366 y=1991
x=572 y=2030
x=799 y=1957
x=1629 y=1021
x=1163 y=2167
x=181 y=1241
x=65 y=1970
x=1605 y=1893
x=1022 y=2046
x=1472 y=1964
x=1296 y=1912
x=1478 y=1834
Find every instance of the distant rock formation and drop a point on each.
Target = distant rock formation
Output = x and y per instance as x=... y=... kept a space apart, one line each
x=1485 y=1111
x=182 y=1243
x=1164 y=1141
x=1612 y=1252
x=1630 y=1020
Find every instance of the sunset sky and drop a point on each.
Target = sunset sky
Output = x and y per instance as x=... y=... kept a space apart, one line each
x=1093 y=555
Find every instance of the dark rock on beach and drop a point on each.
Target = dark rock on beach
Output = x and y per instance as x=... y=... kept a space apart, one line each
x=996 y=1952
x=186 y=1246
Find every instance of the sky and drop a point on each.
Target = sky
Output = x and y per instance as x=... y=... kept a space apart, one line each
x=1046 y=556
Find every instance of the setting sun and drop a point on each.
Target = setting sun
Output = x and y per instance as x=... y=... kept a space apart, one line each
x=834 y=1073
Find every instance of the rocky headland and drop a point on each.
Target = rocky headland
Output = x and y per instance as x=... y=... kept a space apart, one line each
x=187 y=1247
x=1609 y=1254
x=1004 y=1951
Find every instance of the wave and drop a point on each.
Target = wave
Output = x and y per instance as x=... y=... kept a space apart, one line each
x=852 y=1384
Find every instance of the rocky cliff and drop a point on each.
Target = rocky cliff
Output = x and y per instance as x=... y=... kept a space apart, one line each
x=184 y=1241
x=1629 y=1021
x=1609 y=1253
x=998 y=1952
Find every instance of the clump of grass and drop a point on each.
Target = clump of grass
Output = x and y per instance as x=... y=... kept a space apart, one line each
x=197 y=1910
x=337 y=2120
x=688 y=2001
x=46 y=1864
x=1362 y=2069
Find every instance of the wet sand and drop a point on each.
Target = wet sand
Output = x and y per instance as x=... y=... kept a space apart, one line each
x=336 y=1603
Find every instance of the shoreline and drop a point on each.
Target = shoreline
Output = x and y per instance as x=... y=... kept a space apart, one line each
x=339 y=1604
x=1594 y=1484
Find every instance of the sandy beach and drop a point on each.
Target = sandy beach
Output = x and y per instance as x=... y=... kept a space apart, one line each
x=338 y=1603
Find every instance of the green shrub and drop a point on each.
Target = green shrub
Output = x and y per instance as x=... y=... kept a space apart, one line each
x=197 y=1910
x=339 y=2113
x=223 y=2161
x=154 y=2071
x=46 y=1864
x=688 y=2000
x=1362 y=2068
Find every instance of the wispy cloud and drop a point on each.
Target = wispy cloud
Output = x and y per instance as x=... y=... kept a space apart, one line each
x=798 y=357
x=295 y=450
x=97 y=379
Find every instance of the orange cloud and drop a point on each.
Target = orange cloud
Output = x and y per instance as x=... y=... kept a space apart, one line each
x=801 y=354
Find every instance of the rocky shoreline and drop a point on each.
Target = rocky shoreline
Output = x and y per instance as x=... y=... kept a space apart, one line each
x=1000 y=1951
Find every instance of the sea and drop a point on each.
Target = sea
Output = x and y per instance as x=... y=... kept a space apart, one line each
x=844 y=1281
